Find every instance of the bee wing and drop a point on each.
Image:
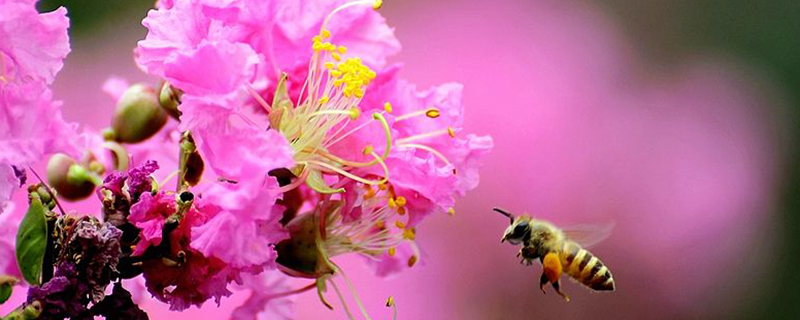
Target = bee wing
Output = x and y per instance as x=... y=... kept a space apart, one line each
x=588 y=235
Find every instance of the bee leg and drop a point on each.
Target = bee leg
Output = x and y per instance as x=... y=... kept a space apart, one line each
x=543 y=281
x=557 y=286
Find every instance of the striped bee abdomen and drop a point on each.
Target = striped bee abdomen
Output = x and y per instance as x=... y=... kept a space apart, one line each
x=581 y=265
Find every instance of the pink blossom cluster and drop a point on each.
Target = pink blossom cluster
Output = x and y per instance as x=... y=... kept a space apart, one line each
x=298 y=142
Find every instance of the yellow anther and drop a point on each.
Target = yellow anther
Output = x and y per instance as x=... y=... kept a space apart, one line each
x=392 y=203
x=412 y=261
x=329 y=65
x=325 y=33
x=382 y=186
x=316 y=39
x=359 y=93
x=336 y=73
x=451 y=132
x=377 y=4
x=368 y=150
x=336 y=56
x=392 y=251
x=342 y=49
x=388 y=107
x=355 y=113
x=400 y=225
x=369 y=194
x=409 y=234
x=433 y=113
x=317 y=46
x=323 y=100
x=338 y=82
x=451 y=211
x=401 y=201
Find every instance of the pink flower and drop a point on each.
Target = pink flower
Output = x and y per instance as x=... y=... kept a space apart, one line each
x=32 y=48
x=32 y=45
x=241 y=204
x=271 y=297
x=149 y=215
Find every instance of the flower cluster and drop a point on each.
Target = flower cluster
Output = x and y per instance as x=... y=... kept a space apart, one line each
x=314 y=148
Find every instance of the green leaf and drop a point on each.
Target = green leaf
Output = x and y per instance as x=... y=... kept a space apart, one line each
x=32 y=241
x=315 y=181
x=5 y=292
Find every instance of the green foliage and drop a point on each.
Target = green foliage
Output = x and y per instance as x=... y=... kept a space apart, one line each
x=32 y=241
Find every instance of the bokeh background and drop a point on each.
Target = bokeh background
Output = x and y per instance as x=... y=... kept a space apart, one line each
x=673 y=119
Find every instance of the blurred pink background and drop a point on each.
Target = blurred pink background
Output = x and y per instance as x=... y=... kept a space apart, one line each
x=586 y=131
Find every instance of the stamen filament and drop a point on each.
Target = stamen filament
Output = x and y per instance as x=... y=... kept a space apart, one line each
x=449 y=131
x=341 y=299
x=342 y=7
x=429 y=149
x=429 y=112
x=345 y=173
x=352 y=290
x=296 y=183
x=258 y=98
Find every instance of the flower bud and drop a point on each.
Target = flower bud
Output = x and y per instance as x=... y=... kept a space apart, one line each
x=70 y=179
x=139 y=115
x=170 y=98
x=299 y=255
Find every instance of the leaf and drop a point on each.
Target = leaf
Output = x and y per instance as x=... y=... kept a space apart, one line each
x=315 y=181
x=32 y=241
x=5 y=292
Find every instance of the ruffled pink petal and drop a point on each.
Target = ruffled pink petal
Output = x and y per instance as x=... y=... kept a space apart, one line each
x=32 y=45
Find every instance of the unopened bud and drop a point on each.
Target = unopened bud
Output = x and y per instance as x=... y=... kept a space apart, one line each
x=139 y=115
x=170 y=98
x=67 y=178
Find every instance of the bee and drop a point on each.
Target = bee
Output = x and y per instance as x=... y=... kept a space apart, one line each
x=559 y=252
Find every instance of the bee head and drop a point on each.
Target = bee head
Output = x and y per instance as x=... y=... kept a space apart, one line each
x=519 y=229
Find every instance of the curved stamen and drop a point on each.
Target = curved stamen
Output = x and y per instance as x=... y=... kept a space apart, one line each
x=373 y=3
x=341 y=299
x=431 y=112
x=449 y=131
x=429 y=149
x=345 y=173
x=350 y=286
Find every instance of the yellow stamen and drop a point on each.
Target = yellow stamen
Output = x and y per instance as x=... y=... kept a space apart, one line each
x=368 y=149
x=451 y=132
x=409 y=234
x=388 y=107
x=325 y=34
x=392 y=251
x=336 y=57
x=382 y=186
x=412 y=261
x=451 y=211
x=401 y=201
x=380 y=224
x=377 y=4
x=432 y=113
x=400 y=224
x=342 y=49
x=392 y=203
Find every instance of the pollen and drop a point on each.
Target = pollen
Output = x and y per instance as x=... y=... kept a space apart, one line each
x=388 y=107
x=336 y=56
x=401 y=201
x=377 y=4
x=369 y=149
x=392 y=203
x=325 y=34
x=412 y=261
x=342 y=49
x=392 y=251
x=433 y=113
x=409 y=234
x=355 y=113
x=323 y=100
x=400 y=224
x=451 y=132
x=369 y=194
x=451 y=211
x=382 y=186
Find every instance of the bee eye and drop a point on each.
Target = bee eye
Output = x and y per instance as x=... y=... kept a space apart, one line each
x=520 y=229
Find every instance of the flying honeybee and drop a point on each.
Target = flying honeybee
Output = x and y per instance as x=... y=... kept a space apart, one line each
x=559 y=252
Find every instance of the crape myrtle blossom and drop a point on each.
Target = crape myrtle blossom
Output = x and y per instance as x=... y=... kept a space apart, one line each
x=377 y=154
x=32 y=49
x=295 y=144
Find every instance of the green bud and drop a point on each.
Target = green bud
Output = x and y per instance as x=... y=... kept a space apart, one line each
x=139 y=115
x=68 y=178
x=170 y=98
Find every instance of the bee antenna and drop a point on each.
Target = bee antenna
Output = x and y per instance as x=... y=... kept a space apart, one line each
x=505 y=213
